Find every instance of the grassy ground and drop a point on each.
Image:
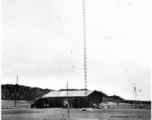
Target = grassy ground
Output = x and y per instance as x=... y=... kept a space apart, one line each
x=24 y=112
x=19 y=104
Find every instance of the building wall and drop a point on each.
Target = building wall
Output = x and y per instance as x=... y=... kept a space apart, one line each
x=95 y=97
x=81 y=102
x=76 y=102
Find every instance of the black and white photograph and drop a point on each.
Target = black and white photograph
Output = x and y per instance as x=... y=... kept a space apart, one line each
x=76 y=59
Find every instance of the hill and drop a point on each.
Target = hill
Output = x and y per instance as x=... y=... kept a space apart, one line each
x=10 y=92
x=20 y=92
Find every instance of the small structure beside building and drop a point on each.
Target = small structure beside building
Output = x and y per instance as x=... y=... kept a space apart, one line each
x=76 y=99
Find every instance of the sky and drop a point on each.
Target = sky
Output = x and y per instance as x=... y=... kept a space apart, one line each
x=42 y=43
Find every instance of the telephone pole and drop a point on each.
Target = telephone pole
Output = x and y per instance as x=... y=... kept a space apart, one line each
x=68 y=99
x=16 y=85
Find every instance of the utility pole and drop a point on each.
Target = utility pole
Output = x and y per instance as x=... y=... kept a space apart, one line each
x=17 y=80
x=68 y=99
x=16 y=85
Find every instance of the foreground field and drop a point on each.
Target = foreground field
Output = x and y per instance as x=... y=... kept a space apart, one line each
x=24 y=112
x=61 y=114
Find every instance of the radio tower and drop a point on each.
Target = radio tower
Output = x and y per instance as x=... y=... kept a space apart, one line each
x=85 y=55
x=135 y=99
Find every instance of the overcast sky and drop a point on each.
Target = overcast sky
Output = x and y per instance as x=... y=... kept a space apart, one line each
x=42 y=42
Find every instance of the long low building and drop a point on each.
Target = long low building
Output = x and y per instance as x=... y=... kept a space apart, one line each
x=78 y=98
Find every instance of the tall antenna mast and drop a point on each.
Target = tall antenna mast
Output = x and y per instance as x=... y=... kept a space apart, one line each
x=135 y=99
x=85 y=55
